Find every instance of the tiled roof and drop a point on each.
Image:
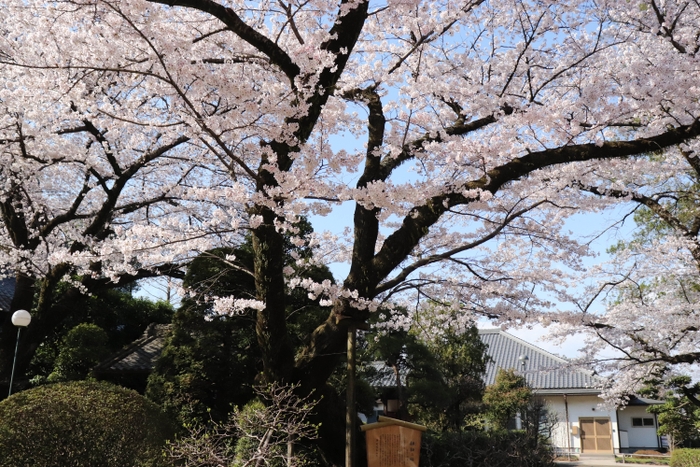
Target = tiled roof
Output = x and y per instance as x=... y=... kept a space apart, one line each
x=382 y=376
x=544 y=372
x=140 y=356
x=7 y=291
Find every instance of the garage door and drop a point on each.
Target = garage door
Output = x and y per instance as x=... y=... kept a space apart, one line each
x=595 y=434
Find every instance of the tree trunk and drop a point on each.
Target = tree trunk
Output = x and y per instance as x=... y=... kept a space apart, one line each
x=271 y=324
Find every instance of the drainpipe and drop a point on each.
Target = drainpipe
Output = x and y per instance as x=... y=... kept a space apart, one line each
x=656 y=427
x=619 y=434
x=568 y=429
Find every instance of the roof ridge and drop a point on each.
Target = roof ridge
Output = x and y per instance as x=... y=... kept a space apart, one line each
x=527 y=344
x=126 y=351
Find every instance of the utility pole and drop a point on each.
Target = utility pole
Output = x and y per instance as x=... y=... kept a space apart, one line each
x=350 y=412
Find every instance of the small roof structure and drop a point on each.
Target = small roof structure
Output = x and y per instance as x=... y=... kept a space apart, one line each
x=545 y=372
x=7 y=291
x=140 y=356
x=383 y=376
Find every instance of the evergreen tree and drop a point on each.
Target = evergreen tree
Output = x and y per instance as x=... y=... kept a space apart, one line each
x=443 y=372
x=81 y=349
x=461 y=360
x=507 y=397
x=97 y=325
x=210 y=362
x=679 y=415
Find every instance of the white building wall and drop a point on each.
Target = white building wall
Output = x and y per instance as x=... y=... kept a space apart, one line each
x=579 y=407
x=639 y=436
x=555 y=405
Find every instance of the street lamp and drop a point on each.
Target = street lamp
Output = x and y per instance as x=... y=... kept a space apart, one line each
x=523 y=360
x=21 y=319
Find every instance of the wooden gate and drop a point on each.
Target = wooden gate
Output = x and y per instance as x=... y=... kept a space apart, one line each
x=596 y=435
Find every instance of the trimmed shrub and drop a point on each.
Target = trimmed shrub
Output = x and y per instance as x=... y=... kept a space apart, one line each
x=484 y=449
x=81 y=424
x=685 y=458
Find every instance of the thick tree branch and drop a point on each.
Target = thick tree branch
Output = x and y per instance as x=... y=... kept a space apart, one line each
x=405 y=272
x=459 y=128
x=415 y=226
x=344 y=34
x=365 y=222
x=234 y=23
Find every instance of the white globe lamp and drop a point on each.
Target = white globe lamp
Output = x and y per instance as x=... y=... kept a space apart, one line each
x=21 y=319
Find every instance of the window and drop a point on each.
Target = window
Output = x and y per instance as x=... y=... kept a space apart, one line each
x=643 y=422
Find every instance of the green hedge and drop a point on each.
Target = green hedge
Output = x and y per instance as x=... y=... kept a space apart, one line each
x=685 y=458
x=485 y=449
x=81 y=424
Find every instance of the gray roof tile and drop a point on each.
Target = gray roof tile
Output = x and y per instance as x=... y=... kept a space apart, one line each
x=141 y=355
x=543 y=371
x=382 y=376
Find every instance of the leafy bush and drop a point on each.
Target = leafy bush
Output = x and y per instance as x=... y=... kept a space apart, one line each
x=82 y=348
x=81 y=424
x=685 y=458
x=643 y=460
x=484 y=448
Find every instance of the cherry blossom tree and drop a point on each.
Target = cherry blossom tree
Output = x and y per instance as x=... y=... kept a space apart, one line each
x=479 y=119
x=648 y=332
x=81 y=188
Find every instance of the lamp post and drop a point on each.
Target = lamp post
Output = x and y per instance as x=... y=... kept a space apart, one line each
x=21 y=319
x=523 y=360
